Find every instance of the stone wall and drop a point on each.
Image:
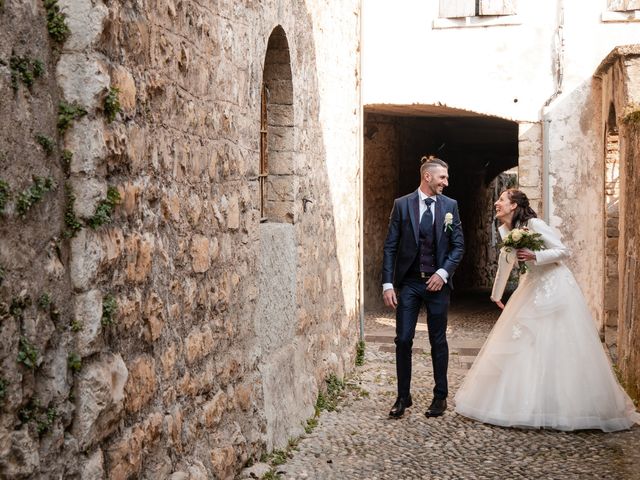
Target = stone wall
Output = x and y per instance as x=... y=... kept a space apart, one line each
x=166 y=353
x=618 y=90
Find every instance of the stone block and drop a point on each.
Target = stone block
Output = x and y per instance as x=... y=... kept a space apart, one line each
x=122 y=79
x=86 y=254
x=233 y=213
x=88 y=192
x=99 y=399
x=92 y=467
x=200 y=254
x=83 y=79
x=85 y=20
x=154 y=317
x=281 y=139
x=87 y=142
x=18 y=454
x=125 y=455
x=88 y=313
x=139 y=254
x=212 y=410
x=223 y=460
x=142 y=383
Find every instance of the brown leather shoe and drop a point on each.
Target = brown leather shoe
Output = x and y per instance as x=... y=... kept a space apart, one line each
x=399 y=407
x=437 y=408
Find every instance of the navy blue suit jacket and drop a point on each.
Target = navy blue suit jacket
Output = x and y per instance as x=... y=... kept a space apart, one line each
x=401 y=245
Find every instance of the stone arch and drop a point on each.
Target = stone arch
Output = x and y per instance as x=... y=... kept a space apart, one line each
x=611 y=230
x=277 y=176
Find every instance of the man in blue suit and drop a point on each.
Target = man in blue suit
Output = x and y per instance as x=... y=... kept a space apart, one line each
x=424 y=245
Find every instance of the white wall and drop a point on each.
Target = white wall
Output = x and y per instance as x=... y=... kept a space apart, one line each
x=408 y=58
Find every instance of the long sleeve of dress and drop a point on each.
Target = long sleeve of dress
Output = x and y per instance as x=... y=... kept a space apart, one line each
x=555 y=251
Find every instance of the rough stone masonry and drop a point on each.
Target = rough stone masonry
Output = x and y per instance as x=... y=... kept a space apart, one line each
x=151 y=326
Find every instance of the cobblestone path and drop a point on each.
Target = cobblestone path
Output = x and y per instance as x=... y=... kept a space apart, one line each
x=359 y=441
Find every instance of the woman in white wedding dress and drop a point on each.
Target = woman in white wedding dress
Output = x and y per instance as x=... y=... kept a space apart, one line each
x=543 y=364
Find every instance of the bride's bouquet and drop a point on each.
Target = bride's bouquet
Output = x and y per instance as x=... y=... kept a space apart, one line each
x=522 y=238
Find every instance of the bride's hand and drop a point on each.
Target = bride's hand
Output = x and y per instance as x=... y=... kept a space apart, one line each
x=500 y=305
x=524 y=254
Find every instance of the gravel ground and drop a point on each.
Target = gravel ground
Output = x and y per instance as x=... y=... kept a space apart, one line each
x=359 y=440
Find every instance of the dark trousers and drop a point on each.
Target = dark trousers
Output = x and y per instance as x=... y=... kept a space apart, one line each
x=412 y=294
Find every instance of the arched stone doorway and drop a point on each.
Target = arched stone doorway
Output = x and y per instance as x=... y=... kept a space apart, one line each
x=478 y=149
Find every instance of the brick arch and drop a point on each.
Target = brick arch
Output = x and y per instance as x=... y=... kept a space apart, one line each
x=277 y=176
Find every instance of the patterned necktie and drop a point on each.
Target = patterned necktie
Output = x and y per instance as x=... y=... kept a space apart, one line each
x=426 y=222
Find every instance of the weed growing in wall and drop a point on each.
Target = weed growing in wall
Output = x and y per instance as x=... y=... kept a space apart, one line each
x=28 y=354
x=33 y=194
x=24 y=69
x=5 y=194
x=75 y=362
x=76 y=325
x=3 y=389
x=65 y=160
x=112 y=104
x=109 y=308
x=18 y=306
x=360 y=353
x=105 y=208
x=46 y=143
x=43 y=418
x=67 y=113
x=44 y=301
x=70 y=220
x=56 y=24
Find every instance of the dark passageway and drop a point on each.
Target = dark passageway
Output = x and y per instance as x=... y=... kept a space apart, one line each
x=477 y=148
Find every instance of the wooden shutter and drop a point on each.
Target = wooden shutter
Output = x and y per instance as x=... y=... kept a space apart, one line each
x=457 y=8
x=624 y=5
x=497 y=7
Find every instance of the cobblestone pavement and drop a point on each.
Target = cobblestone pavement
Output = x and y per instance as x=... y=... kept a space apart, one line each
x=359 y=441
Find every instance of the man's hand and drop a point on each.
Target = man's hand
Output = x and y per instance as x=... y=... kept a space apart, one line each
x=389 y=296
x=435 y=283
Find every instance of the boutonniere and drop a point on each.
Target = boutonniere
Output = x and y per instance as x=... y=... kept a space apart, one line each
x=448 y=221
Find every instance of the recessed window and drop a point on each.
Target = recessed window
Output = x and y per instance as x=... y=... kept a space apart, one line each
x=477 y=8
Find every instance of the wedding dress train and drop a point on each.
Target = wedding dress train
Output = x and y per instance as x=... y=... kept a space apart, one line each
x=543 y=364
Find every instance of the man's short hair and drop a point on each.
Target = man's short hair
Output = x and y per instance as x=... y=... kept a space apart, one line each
x=429 y=162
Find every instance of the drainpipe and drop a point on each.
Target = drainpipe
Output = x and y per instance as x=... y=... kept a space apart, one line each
x=544 y=111
x=360 y=185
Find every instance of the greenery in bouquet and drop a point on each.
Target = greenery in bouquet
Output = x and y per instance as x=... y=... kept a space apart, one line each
x=522 y=238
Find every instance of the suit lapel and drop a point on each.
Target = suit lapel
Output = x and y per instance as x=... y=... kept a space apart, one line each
x=414 y=214
x=439 y=220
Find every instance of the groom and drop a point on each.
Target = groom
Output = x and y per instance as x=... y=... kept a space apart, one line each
x=424 y=246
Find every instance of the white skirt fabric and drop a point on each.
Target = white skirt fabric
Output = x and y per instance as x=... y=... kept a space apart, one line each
x=543 y=364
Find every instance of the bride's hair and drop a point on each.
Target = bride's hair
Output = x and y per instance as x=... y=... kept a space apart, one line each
x=523 y=211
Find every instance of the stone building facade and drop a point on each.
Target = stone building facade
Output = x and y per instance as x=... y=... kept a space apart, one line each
x=501 y=84
x=170 y=304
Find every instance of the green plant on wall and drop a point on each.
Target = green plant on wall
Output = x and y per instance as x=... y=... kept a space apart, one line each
x=67 y=113
x=28 y=354
x=33 y=194
x=56 y=24
x=5 y=194
x=75 y=362
x=3 y=389
x=112 y=104
x=70 y=220
x=24 y=69
x=44 y=301
x=105 y=208
x=65 y=159
x=47 y=143
x=109 y=308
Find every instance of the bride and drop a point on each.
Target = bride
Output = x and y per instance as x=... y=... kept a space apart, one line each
x=543 y=364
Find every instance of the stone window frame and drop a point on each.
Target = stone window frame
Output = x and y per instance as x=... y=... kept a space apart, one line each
x=621 y=11
x=476 y=13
